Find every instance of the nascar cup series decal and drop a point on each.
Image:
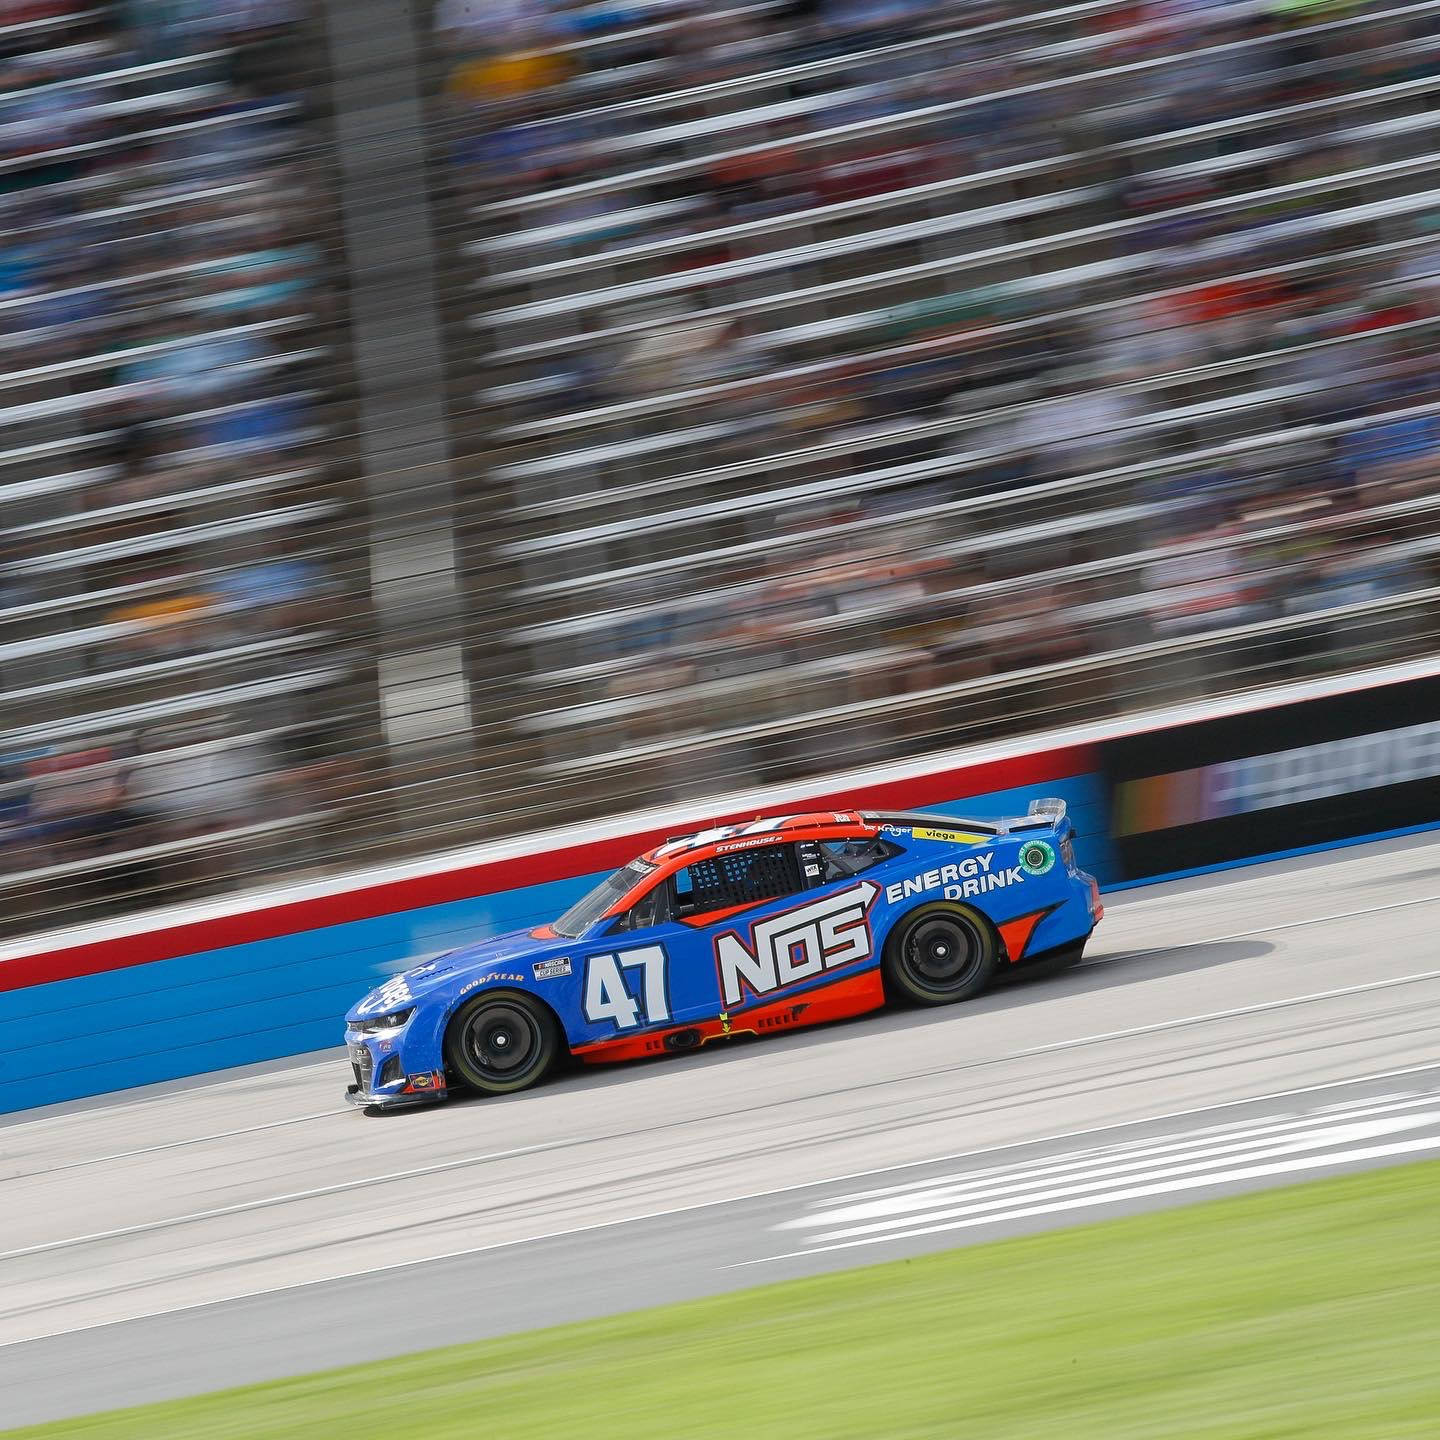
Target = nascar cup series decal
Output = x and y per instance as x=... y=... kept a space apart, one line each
x=973 y=875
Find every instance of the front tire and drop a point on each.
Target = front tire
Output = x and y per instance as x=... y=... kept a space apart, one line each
x=939 y=954
x=502 y=1042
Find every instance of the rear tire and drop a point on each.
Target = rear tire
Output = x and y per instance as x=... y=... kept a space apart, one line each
x=501 y=1042
x=939 y=954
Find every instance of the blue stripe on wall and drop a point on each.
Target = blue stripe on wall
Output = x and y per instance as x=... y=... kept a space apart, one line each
x=284 y=996
x=235 y=1005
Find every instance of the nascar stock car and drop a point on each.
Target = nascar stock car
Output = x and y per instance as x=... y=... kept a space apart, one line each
x=743 y=929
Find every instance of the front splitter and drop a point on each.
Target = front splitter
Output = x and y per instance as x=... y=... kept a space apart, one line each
x=366 y=1100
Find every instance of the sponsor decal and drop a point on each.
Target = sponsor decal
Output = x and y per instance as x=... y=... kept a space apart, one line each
x=1282 y=777
x=390 y=996
x=950 y=837
x=894 y=829
x=551 y=969
x=628 y=988
x=490 y=979
x=975 y=875
x=1037 y=857
x=764 y=828
x=812 y=869
x=796 y=945
x=433 y=1081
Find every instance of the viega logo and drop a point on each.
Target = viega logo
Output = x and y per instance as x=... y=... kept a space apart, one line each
x=797 y=945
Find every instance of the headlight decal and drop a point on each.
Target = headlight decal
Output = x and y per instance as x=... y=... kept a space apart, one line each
x=393 y=1021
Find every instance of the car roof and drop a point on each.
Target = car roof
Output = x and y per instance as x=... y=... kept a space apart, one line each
x=763 y=830
x=682 y=850
x=808 y=825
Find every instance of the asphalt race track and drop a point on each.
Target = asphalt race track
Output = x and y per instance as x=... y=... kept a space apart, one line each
x=1255 y=1027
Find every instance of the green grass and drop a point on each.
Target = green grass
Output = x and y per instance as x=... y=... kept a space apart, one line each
x=1307 y=1312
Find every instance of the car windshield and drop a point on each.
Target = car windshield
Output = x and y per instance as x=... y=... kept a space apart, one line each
x=594 y=903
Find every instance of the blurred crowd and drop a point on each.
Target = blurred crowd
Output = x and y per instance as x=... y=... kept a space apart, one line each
x=163 y=317
x=831 y=380
x=850 y=353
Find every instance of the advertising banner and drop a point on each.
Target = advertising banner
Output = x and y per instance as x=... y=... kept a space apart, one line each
x=1312 y=773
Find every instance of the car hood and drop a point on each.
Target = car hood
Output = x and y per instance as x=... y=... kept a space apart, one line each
x=441 y=972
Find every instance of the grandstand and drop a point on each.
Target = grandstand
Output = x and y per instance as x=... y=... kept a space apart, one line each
x=823 y=383
x=932 y=371
x=173 y=591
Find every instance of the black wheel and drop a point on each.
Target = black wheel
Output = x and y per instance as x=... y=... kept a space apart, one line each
x=501 y=1042
x=939 y=954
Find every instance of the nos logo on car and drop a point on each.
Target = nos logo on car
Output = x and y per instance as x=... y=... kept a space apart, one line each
x=797 y=945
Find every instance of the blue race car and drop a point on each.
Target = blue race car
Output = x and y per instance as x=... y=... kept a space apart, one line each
x=744 y=929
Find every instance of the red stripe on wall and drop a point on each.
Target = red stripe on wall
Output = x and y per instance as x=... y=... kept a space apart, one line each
x=492 y=876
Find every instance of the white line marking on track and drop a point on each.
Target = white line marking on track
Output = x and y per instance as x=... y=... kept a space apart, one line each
x=1262 y=929
x=882 y=1217
x=1133 y=1192
x=164 y=1091
x=467 y=1251
x=173 y=1145
x=243 y=1206
x=1113 y=1158
x=1161 y=1142
x=1231 y=1014
x=1372 y=855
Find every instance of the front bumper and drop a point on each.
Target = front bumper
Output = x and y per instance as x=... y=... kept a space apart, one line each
x=386 y=1073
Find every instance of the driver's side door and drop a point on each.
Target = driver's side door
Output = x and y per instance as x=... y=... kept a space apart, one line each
x=657 y=965
x=646 y=970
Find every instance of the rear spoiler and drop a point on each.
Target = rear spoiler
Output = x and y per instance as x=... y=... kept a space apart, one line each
x=1042 y=812
x=938 y=822
x=1049 y=809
